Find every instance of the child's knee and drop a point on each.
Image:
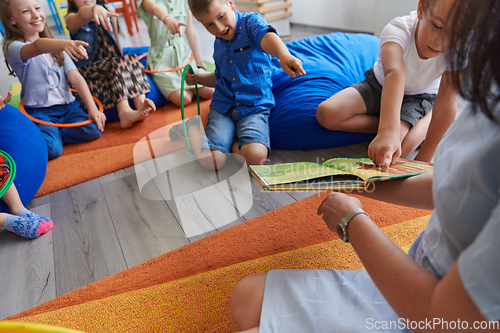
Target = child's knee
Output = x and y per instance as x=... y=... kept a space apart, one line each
x=254 y=153
x=325 y=115
x=54 y=151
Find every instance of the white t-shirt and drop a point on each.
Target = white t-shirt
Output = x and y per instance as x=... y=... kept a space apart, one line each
x=422 y=75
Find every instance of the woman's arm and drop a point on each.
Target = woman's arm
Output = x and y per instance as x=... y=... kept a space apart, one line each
x=116 y=31
x=193 y=41
x=74 y=21
x=412 y=292
x=415 y=192
x=443 y=115
x=74 y=48
x=83 y=90
x=386 y=147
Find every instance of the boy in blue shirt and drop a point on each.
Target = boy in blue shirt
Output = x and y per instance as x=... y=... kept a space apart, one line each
x=238 y=121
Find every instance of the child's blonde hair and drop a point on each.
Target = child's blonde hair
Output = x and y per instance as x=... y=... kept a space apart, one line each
x=13 y=33
x=202 y=6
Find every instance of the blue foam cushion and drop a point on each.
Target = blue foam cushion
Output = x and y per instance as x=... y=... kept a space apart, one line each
x=24 y=142
x=332 y=62
x=155 y=95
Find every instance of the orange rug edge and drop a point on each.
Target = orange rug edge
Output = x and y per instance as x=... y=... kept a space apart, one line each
x=263 y=235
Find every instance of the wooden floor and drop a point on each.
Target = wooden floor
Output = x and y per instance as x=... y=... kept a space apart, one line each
x=109 y=224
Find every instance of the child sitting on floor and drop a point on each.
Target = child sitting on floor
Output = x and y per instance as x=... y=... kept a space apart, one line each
x=42 y=64
x=24 y=223
x=238 y=121
x=402 y=86
x=112 y=77
x=165 y=19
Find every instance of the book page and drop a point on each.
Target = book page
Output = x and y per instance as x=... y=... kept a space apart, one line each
x=293 y=172
x=364 y=168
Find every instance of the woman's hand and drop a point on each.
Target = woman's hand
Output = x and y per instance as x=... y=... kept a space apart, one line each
x=76 y=49
x=335 y=207
x=173 y=25
x=103 y=17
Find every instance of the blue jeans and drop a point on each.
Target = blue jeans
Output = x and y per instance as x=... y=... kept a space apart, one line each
x=63 y=114
x=224 y=130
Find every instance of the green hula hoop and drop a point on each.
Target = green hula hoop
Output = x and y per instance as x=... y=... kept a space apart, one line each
x=186 y=68
x=12 y=166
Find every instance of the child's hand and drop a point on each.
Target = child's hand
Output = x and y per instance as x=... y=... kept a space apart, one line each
x=384 y=150
x=76 y=50
x=103 y=17
x=173 y=25
x=191 y=78
x=6 y=100
x=292 y=66
x=99 y=118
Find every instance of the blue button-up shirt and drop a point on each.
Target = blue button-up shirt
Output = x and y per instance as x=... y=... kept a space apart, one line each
x=243 y=69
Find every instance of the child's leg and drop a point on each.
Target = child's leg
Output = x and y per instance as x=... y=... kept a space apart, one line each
x=254 y=153
x=210 y=148
x=346 y=111
x=190 y=95
x=74 y=114
x=127 y=115
x=206 y=92
x=417 y=111
x=24 y=223
x=144 y=105
x=175 y=97
x=12 y=199
x=416 y=135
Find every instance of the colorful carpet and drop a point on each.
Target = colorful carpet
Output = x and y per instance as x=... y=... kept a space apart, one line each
x=114 y=150
x=189 y=289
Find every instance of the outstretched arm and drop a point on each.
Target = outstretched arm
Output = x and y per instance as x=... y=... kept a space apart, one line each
x=79 y=83
x=74 y=21
x=74 y=48
x=412 y=292
x=273 y=45
x=386 y=147
x=193 y=42
x=154 y=9
x=443 y=115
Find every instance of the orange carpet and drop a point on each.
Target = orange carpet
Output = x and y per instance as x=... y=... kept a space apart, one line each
x=114 y=149
x=191 y=286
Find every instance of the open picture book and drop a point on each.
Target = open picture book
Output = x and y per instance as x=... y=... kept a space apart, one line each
x=343 y=174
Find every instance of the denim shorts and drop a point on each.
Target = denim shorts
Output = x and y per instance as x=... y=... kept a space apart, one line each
x=222 y=130
x=413 y=108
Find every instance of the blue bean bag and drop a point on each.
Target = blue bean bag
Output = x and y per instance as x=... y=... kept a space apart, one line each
x=332 y=62
x=155 y=95
x=23 y=141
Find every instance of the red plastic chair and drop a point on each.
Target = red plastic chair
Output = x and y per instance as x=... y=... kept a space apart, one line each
x=128 y=12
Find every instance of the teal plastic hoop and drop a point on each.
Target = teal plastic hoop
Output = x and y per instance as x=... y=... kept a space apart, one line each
x=186 y=68
x=12 y=175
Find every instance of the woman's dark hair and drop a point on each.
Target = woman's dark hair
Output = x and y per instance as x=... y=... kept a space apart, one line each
x=475 y=35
